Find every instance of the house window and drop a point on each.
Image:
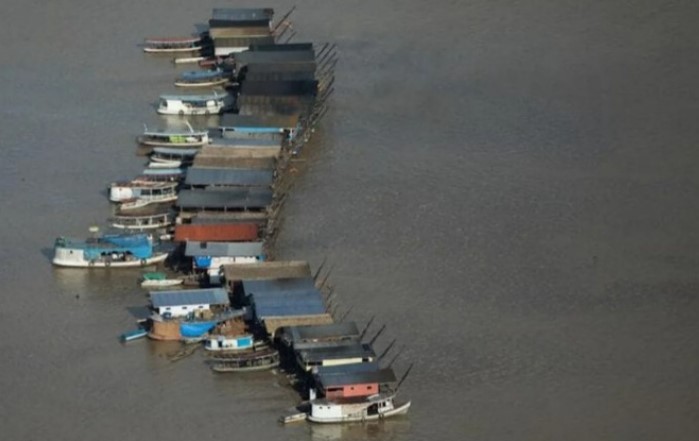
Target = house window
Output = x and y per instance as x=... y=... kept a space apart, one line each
x=201 y=306
x=370 y=387
x=184 y=307
x=167 y=308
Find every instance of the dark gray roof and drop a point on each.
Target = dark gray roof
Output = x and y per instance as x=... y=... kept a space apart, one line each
x=303 y=87
x=280 y=67
x=231 y=217
x=279 y=76
x=278 y=285
x=242 y=14
x=235 y=198
x=238 y=42
x=381 y=376
x=212 y=296
x=243 y=58
x=298 y=334
x=224 y=249
x=232 y=121
x=228 y=176
x=282 y=47
x=336 y=352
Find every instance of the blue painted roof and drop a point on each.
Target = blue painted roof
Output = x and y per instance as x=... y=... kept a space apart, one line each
x=213 y=296
x=137 y=244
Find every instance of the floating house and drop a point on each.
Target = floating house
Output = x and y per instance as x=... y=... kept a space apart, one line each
x=304 y=337
x=341 y=382
x=286 y=302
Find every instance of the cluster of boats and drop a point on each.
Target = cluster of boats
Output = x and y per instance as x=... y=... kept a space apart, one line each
x=207 y=202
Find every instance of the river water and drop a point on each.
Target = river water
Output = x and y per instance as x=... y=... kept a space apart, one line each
x=509 y=186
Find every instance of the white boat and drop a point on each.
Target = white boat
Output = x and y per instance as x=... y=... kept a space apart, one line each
x=146 y=221
x=212 y=104
x=139 y=193
x=106 y=251
x=356 y=409
x=174 y=138
x=162 y=163
x=164 y=45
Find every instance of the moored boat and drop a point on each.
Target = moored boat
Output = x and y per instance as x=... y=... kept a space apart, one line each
x=138 y=194
x=202 y=78
x=178 y=44
x=133 y=335
x=246 y=362
x=174 y=138
x=159 y=280
x=212 y=104
x=105 y=251
x=356 y=409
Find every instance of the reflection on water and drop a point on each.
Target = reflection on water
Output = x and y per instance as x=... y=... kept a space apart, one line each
x=391 y=429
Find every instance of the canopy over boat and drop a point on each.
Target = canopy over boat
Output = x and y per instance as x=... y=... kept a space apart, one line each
x=194 y=98
x=175 y=151
x=198 y=75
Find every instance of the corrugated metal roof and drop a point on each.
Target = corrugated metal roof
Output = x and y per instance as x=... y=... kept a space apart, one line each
x=225 y=161
x=278 y=285
x=222 y=42
x=266 y=270
x=223 y=249
x=212 y=296
x=228 y=176
x=280 y=67
x=381 y=376
x=230 y=121
x=237 y=198
x=243 y=58
x=209 y=217
x=235 y=232
x=337 y=352
x=264 y=311
x=242 y=14
x=297 y=334
x=279 y=88
x=282 y=47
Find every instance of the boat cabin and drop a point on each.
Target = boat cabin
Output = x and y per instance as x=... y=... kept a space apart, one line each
x=186 y=44
x=192 y=104
x=184 y=302
x=144 y=190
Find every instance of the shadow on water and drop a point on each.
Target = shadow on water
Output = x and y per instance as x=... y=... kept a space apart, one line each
x=47 y=253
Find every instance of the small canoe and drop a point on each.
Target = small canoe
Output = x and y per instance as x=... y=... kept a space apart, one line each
x=133 y=335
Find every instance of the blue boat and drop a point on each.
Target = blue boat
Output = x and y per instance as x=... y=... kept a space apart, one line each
x=107 y=250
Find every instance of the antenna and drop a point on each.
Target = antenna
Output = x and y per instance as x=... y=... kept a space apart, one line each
x=320 y=268
x=383 y=354
x=395 y=357
x=342 y=319
x=366 y=328
x=383 y=328
x=405 y=375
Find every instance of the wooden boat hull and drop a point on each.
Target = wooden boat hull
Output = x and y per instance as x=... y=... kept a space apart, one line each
x=223 y=369
x=161 y=283
x=165 y=50
x=115 y=264
x=154 y=143
x=396 y=411
x=201 y=84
